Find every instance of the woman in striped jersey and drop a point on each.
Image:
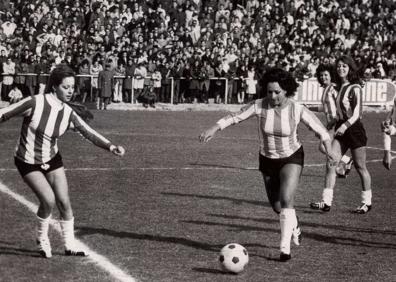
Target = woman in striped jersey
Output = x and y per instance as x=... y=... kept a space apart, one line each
x=281 y=156
x=46 y=118
x=349 y=134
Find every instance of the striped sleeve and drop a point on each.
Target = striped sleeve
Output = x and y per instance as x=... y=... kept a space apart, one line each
x=22 y=108
x=355 y=98
x=85 y=130
x=331 y=104
x=234 y=118
x=313 y=123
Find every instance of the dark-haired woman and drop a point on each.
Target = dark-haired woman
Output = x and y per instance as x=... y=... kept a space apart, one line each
x=46 y=118
x=349 y=134
x=281 y=156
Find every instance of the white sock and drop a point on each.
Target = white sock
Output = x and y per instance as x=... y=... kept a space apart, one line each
x=327 y=196
x=67 y=227
x=366 y=197
x=288 y=221
x=345 y=159
x=42 y=228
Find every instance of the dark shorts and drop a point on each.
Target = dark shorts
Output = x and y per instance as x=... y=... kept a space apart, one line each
x=25 y=168
x=272 y=167
x=354 y=137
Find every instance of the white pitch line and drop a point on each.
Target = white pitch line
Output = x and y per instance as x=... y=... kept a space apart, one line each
x=94 y=257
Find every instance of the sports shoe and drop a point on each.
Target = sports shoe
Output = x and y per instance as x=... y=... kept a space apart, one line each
x=284 y=257
x=44 y=247
x=362 y=209
x=75 y=253
x=320 y=206
x=296 y=235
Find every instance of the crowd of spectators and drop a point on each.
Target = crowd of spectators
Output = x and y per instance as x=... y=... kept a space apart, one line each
x=192 y=39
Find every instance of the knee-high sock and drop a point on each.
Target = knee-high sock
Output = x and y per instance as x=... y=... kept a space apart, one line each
x=42 y=227
x=288 y=221
x=327 y=196
x=366 y=197
x=67 y=227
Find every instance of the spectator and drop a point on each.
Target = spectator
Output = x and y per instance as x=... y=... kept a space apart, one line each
x=106 y=86
x=8 y=78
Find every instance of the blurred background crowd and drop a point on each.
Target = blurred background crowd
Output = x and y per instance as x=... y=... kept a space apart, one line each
x=195 y=42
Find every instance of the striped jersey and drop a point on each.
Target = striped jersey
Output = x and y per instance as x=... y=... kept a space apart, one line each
x=45 y=120
x=329 y=103
x=349 y=104
x=277 y=126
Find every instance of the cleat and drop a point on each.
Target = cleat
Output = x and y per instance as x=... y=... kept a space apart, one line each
x=44 y=247
x=75 y=253
x=296 y=236
x=362 y=209
x=284 y=257
x=320 y=206
x=343 y=169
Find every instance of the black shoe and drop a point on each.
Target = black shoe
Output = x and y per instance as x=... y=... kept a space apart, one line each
x=75 y=253
x=320 y=206
x=362 y=209
x=284 y=257
x=152 y=105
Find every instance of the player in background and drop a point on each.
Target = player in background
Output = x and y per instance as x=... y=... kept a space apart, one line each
x=325 y=75
x=388 y=128
x=46 y=117
x=281 y=156
x=349 y=134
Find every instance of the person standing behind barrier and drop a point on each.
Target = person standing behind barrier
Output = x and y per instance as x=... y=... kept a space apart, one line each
x=106 y=86
x=206 y=73
x=127 y=85
x=139 y=77
x=281 y=156
x=157 y=78
x=177 y=73
x=8 y=78
x=95 y=69
x=84 y=81
x=31 y=78
x=42 y=71
x=349 y=134
x=119 y=71
x=251 y=82
x=166 y=82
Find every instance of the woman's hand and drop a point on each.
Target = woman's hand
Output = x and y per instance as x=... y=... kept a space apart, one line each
x=341 y=130
x=117 y=150
x=331 y=159
x=387 y=160
x=208 y=134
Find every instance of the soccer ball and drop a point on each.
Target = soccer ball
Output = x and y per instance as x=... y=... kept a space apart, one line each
x=233 y=258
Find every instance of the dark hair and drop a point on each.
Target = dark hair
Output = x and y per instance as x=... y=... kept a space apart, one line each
x=57 y=75
x=354 y=76
x=285 y=80
x=322 y=68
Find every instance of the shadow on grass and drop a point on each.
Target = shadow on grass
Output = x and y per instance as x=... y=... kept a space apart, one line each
x=211 y=197
x=86 y=231
x=219 y=166
x=211 y=271
x=18 y=252
x=331 y=239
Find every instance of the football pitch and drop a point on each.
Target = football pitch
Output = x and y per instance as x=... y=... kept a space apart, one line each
x=164 y=210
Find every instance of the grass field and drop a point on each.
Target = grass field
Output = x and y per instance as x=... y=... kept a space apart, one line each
x=163 y=212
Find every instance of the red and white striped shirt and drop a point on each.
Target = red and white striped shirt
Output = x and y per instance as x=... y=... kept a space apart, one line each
x=45 y=120
x=278 y=126
x=349 y=104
